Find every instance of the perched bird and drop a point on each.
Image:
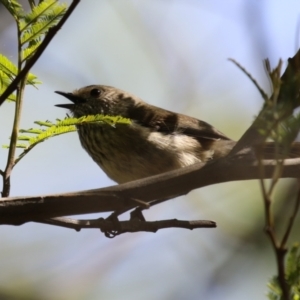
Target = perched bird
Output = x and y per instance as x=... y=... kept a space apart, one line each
x=156 y=141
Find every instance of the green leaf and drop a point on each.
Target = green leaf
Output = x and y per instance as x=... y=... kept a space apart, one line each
x=30 y=50
x=105 y=119
x=288 y=130
x=293 y=270
x=42 y=9
x=9 y=72
x=14 y=7
x=5 y=81
x=44 y=123
x=32 y=79
x=7 y=67
x=292 y=275
x=11 y=97
x=32 y=130
x=37 y=22
x=23 y=146
x=60 y=127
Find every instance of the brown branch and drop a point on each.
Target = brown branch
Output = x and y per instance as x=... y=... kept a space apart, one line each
x=280 y=259
x=281 y=250
x=291 y=221
x=270 y=230
x=112 y=228
x=18 y=210
x=285 y=96
x=48 y=38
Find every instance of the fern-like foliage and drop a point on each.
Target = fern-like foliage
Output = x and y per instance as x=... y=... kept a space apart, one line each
x=7 y=67
x=32 y=28
x=37 y=22
x=292 y=272
x=14 y=7
x=8 y=71
x=60 y=127
x=44 y=9
x=30 y=50
x=34 y=25
x=4 y=83
x=11 y=70
x=288 y=130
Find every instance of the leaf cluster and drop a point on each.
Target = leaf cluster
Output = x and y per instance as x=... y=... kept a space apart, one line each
x=277 y=120
x=32 y=28
x=50 y=129
x=292 y=272
x=35 y=24
x=8 y=71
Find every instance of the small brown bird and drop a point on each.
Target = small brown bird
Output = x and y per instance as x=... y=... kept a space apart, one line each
x=156 y=141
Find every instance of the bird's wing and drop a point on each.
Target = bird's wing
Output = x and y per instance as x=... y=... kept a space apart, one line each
x=161 y=120
x=199 y=129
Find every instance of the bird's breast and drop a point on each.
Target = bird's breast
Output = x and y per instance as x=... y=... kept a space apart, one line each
x=130 y=152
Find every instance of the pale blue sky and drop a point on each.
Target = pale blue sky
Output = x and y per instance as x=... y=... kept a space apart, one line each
x=172 y=54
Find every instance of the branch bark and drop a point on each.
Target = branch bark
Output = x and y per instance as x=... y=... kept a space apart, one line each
x=111 y=228
x=19 y=210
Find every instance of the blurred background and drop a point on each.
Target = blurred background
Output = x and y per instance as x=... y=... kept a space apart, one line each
x=173 y=54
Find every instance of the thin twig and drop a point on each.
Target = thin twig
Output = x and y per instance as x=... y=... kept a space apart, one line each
x=16 y=124
x=109 y=226
x=290 y=81
x=291 y=221
x=269 y=224
x=261 y=91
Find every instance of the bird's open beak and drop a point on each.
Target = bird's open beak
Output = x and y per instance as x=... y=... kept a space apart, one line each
x=75 y=99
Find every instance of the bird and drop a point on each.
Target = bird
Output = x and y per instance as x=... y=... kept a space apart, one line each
x=156 y=140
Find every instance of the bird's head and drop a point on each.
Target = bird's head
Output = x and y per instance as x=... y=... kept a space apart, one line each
x=99 y=99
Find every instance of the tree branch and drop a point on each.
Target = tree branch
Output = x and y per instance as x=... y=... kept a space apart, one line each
x=18 y=210
x=111 y=228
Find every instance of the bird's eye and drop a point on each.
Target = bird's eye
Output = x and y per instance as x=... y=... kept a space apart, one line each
x=95 y=93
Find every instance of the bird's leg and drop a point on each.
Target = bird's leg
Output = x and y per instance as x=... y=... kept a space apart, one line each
x=137 y=214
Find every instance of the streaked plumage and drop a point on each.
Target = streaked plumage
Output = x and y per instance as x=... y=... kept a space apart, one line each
x=156 y=141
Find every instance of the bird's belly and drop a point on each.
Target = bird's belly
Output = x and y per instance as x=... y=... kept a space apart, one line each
x=127 y=155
